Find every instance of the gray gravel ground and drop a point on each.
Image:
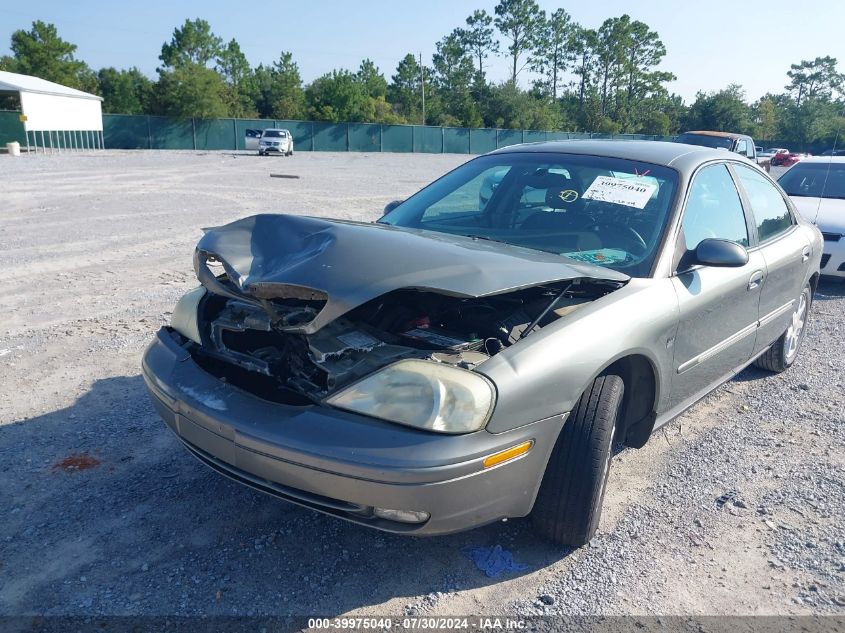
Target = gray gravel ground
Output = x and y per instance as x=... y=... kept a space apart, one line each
x=737 y=507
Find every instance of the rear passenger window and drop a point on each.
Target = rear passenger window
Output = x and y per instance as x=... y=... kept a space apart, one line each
x=714 y=209
x=770 y=211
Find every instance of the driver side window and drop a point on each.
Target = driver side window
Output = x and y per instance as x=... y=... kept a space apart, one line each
x=714 y=209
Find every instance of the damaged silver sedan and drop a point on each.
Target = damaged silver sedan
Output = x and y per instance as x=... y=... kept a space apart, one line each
x=475 y=354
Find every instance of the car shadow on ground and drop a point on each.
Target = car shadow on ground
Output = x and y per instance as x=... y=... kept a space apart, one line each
x=107 y=513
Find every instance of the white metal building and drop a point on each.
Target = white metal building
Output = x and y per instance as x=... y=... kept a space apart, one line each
x=54 y=116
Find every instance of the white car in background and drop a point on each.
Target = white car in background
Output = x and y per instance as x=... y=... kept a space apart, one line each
x=276 y=141
x=817 y=187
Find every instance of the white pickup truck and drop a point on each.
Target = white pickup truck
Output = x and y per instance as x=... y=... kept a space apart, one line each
x=741 y=144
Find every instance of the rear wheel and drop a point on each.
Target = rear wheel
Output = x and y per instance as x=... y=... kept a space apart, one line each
x=568 y=505
x=783 y=352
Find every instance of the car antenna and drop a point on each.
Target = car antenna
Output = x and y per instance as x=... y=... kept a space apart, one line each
x=827 y=173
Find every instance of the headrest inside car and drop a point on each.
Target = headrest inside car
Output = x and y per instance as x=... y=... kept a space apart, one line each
x=561 y=192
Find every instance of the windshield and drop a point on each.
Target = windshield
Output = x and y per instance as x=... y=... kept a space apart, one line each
x=816 y=180
x=275 y=133
x=604 y=211
x=705 y=140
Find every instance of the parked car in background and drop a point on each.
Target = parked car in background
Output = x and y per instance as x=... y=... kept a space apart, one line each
x=817 y=188
x=741 y=144
x=833 y=152
x=471 y=358
x=765 y=153
x=787 y=158
x=275 y=141
x=251 y=138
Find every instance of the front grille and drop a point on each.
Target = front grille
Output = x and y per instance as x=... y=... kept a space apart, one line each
x=825 y=259
x=831 y=237
x=252 y=382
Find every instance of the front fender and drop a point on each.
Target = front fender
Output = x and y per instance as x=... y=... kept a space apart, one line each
x=545 y=374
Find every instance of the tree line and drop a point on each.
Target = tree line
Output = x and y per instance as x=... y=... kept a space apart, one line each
x=604 y=80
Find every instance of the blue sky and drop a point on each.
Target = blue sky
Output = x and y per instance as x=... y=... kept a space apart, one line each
x=710 y=43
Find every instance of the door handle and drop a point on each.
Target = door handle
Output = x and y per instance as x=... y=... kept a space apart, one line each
x=755 y=280
x=805 y=254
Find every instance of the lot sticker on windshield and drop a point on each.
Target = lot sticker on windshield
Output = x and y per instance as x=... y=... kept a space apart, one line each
x=628 y=193
x=602 y=256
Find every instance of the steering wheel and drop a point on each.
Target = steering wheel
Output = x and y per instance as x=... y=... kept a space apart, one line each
x=622 y=230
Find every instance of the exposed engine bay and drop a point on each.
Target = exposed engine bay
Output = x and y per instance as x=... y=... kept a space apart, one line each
x=251 y=345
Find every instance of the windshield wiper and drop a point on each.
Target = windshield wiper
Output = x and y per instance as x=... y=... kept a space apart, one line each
x=486 y=237
x=807 y=195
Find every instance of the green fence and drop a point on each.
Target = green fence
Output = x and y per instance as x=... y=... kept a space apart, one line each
x=124 y=131
x=152 y=132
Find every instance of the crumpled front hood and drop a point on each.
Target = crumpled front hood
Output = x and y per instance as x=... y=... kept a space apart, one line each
x=353 y=262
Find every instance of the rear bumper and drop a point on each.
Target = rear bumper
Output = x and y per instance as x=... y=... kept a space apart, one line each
x=341 y=463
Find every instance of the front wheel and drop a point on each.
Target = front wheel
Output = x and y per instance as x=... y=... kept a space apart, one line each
x=783 y=352
x=568 y=505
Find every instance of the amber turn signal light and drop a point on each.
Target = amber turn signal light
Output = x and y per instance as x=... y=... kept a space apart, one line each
x=508 y=454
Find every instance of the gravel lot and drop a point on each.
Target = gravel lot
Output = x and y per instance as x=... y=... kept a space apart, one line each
x=737 y=507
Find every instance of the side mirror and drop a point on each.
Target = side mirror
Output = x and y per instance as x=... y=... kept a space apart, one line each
x=716 y=252
x=392 y=205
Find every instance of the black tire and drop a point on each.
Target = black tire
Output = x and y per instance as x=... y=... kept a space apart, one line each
x=780 y=356
x=568 y=505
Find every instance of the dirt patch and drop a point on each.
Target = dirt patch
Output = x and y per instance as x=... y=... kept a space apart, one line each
x=77 y=461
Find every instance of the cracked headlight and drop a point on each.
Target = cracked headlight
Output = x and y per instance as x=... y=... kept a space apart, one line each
x=184 y=317
x=422 y=394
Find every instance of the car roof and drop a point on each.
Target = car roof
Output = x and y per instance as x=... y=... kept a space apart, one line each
x=733 y=135
x=679 y=155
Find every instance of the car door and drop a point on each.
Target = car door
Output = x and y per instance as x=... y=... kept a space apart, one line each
x=251 y=139
x=785 y=250
x=718 y=306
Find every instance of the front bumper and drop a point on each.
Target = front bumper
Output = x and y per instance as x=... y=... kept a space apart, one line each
x=266 y=149
x=833 y=258
x=341 y=463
